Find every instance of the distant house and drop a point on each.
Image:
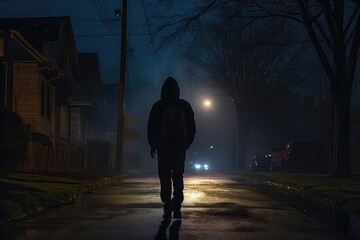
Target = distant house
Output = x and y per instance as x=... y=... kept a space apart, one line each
x=89 y=108
x=110 y=92
x=39 y=64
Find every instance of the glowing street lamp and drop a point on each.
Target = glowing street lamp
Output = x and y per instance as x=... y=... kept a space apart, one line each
x=207 y=103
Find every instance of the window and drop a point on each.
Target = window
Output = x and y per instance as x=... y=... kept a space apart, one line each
x=45 y=99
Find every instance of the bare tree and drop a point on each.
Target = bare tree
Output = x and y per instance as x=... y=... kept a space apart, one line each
x=333 y=27
x=246 y=66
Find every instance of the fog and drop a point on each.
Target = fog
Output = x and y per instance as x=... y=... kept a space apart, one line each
x=214 y=139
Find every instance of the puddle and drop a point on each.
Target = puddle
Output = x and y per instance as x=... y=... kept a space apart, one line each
x=322 y=211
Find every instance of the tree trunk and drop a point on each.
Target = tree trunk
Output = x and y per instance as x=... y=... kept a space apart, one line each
x=242 y=153
x=242 y=137
x=341 y=95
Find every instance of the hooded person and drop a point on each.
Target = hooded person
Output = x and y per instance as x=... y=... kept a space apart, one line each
x=170 y=131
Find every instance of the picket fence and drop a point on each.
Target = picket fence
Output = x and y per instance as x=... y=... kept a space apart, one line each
x=54 y=159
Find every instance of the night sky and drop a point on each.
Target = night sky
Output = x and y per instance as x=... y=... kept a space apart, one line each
x=92 y=35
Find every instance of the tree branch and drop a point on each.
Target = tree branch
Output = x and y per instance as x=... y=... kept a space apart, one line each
x=354 y=51
x=351 y=19
x=318 y=48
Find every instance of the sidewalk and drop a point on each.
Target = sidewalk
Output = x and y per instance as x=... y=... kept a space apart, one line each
x=342 y=192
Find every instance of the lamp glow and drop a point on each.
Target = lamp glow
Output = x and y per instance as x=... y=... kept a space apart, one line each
x=207 y=103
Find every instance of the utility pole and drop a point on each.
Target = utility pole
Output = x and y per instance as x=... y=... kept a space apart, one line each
x=121 y=97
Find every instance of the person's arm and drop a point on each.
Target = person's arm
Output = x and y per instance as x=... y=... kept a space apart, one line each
x=190 y=125
x=152 y=129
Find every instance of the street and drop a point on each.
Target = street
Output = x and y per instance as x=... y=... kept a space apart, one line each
x=216 y=206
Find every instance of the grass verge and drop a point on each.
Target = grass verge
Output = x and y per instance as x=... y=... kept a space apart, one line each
x=344 y=192
x=26 y=194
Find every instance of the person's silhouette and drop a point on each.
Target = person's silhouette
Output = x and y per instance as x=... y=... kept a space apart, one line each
x=170 y=131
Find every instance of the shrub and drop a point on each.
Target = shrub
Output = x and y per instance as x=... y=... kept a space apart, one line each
x=14 y=137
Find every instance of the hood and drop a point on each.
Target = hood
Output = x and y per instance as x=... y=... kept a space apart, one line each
x=170 y=90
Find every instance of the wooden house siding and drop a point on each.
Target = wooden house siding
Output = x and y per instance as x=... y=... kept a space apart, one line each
x=27 y=97
x=44 y=126
x=25 y=92
x=42 y=68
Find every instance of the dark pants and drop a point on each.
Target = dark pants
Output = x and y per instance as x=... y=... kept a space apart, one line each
x=171 y=161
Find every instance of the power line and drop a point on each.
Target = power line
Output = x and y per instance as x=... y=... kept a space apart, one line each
x=111 y=20
x=111 y=35
x=134 y=65
x=151 y=38
x=106 y=11
x=103 y=18
x=92 y=20
x=98 y=12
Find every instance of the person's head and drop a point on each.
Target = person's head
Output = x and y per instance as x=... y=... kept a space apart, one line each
x=170 y=89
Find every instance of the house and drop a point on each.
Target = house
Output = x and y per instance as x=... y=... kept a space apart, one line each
x=89 y=107
x=39 y=66
x=110 y=92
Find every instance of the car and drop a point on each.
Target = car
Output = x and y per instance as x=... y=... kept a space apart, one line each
x=199 y=166
x=300 y=156
x=260 y=163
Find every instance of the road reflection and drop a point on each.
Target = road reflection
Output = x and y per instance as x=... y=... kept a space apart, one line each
x=173 y=230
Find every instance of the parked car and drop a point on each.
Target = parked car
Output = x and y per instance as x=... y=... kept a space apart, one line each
x=300 y=156
x=260 y=163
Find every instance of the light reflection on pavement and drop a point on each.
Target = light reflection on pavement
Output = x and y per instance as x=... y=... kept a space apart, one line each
x=216 y=206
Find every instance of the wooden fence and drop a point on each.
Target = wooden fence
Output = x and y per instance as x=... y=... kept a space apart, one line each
x=54 y=159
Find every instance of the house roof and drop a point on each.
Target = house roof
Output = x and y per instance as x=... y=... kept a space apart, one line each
x=89 y=71
x=88 y=78
x=31 y=33
x=44 y=28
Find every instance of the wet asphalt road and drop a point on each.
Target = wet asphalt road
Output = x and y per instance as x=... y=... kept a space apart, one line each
x=216 y=206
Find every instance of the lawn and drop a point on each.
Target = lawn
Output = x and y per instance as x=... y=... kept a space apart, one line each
x=342 y=191
x=26 y=194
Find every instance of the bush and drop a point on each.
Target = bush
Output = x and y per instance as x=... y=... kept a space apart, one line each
x=13 y=140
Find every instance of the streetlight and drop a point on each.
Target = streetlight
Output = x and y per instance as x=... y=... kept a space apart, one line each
x=207 y=103
x=121 y=97
x=117 y=12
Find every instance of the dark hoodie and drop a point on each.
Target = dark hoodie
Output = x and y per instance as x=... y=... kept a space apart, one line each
x=170 y=95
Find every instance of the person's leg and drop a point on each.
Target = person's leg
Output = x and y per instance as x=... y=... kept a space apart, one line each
x=178 y=182
x=164 y=171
